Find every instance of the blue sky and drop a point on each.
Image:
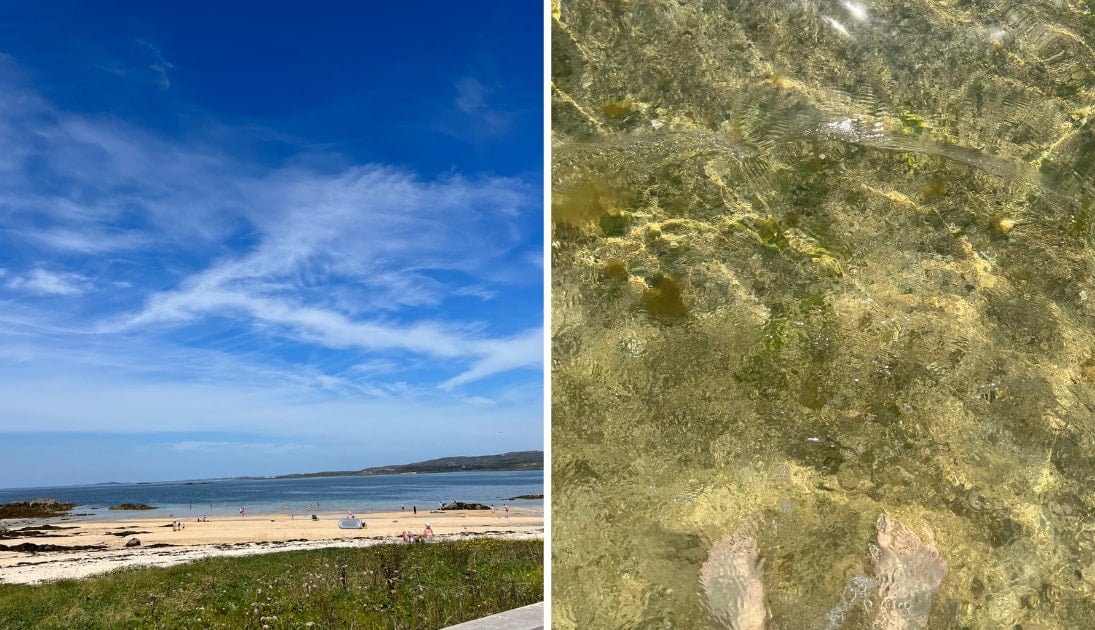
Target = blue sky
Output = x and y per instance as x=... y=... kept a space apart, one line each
x=264 y=238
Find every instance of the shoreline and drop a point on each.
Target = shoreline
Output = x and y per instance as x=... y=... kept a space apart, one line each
x=162 y=545
x=223 y=513
x=230 y=509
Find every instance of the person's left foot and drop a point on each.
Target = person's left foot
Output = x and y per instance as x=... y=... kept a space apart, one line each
x=731 y=579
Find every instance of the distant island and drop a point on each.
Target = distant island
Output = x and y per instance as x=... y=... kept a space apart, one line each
x=518 y=460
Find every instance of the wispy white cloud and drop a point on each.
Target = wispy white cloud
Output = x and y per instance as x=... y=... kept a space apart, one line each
x=231 y=296
x=481 y=115
x=475 y=291
x=91 y=240
x=471 y=96
x=158 y=65
x=536 y=259
x=375 y=366
x=112 y=189
x=333 y=330
x=83 y=400
x=43 y=282
x=34 y=350
x=55 y=378
x=177 y=275
x=376 y=233
x=502 y=355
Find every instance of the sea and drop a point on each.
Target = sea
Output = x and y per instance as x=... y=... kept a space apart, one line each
x=357 y=495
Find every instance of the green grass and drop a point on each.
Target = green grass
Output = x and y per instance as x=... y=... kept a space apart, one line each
x=388 y=586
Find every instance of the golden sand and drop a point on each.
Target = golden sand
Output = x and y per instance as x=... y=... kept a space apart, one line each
x=164 y=545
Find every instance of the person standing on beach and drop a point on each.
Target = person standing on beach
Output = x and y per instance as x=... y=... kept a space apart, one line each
x=241 y=510
x=415 y=508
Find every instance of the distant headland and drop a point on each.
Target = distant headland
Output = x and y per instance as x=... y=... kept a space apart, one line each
x=517 y=460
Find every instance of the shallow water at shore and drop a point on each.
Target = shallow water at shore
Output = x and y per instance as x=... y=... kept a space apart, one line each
x=820 y=264
x=224 y=497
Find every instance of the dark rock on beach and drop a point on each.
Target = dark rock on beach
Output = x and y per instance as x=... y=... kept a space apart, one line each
x=34 y=548
x=460 y=505
x=133 y=506
x=38 y=508
x=133 y=542
x=526 y=496
x=32 y=532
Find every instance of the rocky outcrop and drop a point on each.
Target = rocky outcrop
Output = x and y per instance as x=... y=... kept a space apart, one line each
x=31 y=532
x=36 y=548
x=37 y=508
x=460 y=505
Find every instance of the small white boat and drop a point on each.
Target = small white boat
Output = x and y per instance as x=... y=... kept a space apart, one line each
x=351 y=523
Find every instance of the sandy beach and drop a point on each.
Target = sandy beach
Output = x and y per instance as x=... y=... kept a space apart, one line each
x=163 y=545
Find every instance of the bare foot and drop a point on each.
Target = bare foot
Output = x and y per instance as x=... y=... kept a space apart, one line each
x=908 y=572
x=731 y=580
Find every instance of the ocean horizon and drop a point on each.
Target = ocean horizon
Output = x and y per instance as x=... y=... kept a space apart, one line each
x=297 y=496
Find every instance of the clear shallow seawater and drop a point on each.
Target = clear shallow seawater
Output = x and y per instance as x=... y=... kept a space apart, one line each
x=221 y=497
x=813 y=262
